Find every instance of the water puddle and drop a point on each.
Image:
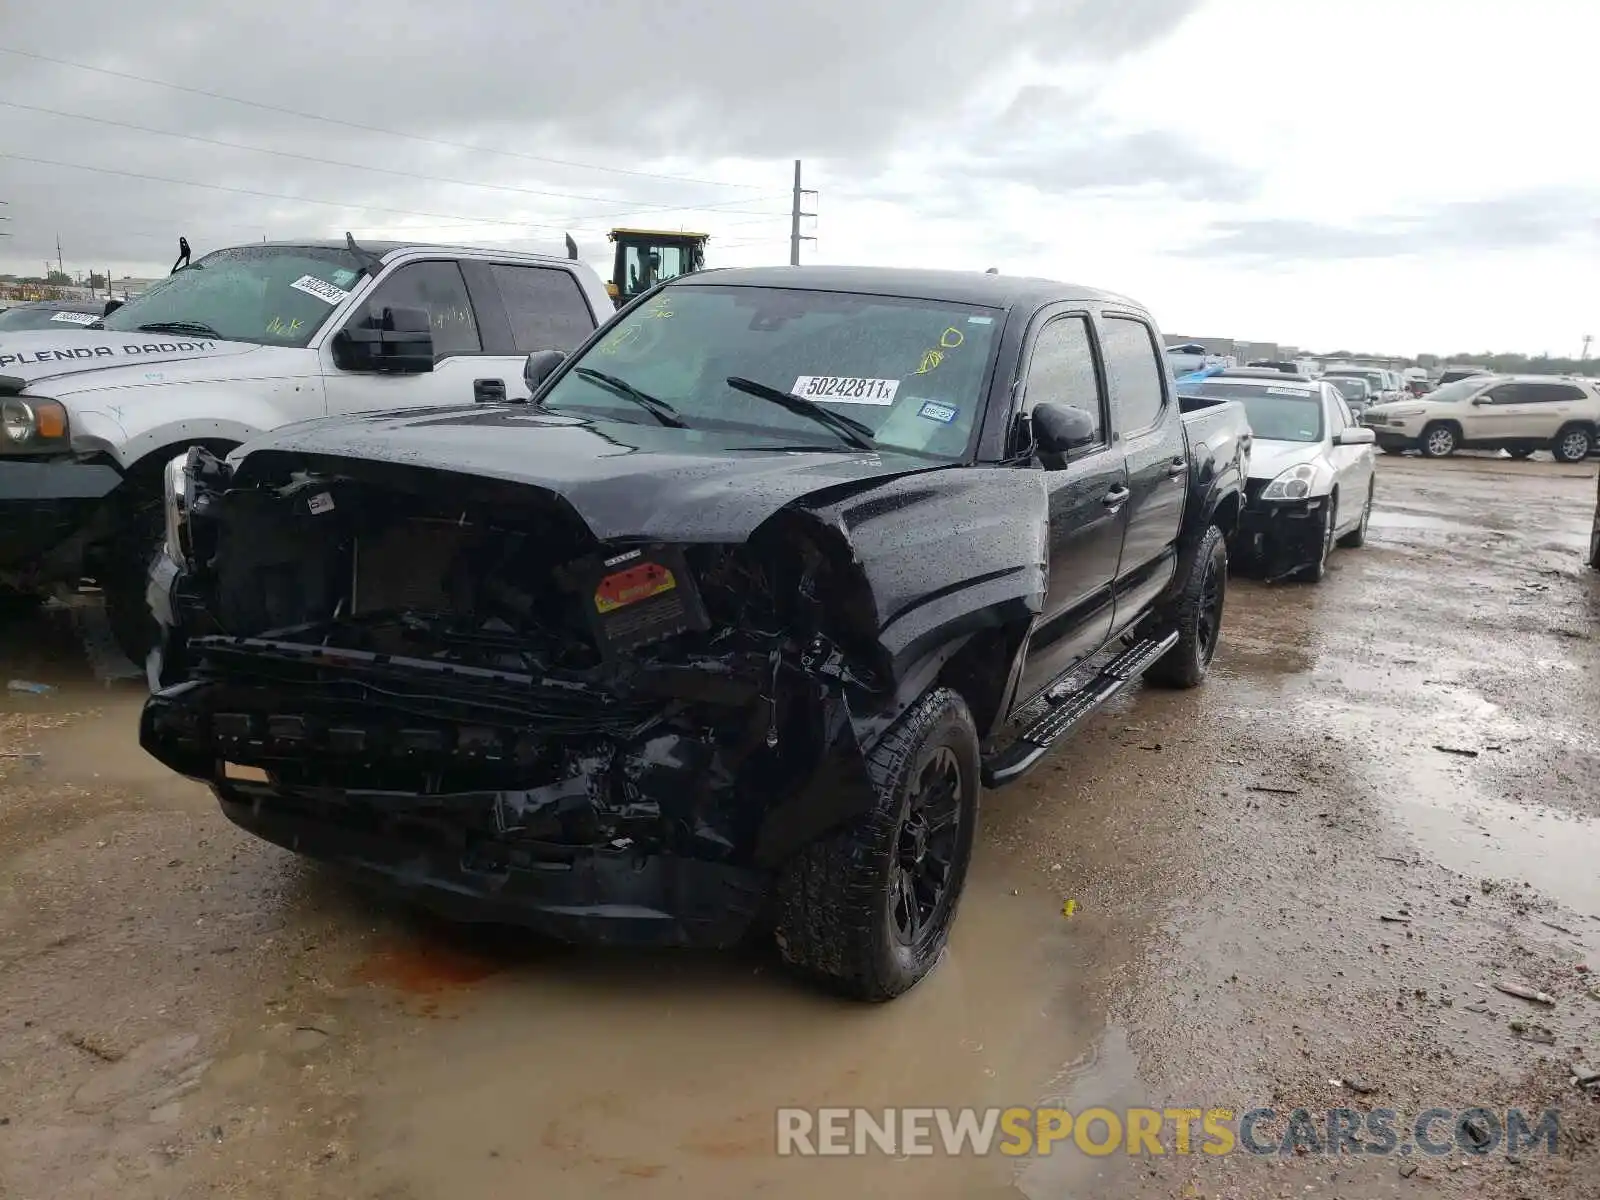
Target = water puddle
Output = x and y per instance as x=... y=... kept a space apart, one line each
x=1389 y=519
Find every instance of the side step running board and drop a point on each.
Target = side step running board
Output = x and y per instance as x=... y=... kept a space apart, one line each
x=1069 y=711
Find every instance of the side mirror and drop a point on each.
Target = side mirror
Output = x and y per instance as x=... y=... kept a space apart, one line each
x=1480 y=401
x=1060 y=428
x=540 y=365
x=398 y=340
x=111 y=307
x=1357 y=437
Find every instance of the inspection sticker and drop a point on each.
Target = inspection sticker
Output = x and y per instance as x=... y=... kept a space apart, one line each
x=72 y=318
x=1283 y=391
x=321 y=289
x=846 y=389
x=320 y=503
x=980 y=320
x=943 y=413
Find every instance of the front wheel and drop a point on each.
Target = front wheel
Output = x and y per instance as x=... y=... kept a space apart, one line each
x=1573 y=444
x=1199 y=616
x=1439 y=441
x=1357 y=537
x=868 y=909
x=1317 y=571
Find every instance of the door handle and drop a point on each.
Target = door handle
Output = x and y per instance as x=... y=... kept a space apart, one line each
x=1178 y=466
x=1116 y=497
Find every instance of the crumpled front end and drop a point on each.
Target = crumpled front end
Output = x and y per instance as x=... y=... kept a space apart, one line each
x=449 y=683
x=1277 y=538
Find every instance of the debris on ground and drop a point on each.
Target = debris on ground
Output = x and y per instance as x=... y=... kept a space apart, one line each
x=1464 y=753
x=29 y=687
x=1537 y=1034
x=1275 y=791
x=1523 y=991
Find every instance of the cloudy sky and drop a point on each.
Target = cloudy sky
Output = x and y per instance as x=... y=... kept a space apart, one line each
x=1405 y=176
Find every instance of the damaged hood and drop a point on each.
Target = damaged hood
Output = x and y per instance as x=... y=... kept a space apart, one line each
x=635 y=481
x=57 y=364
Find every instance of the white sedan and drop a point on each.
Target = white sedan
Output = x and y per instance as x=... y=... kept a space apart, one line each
x=1311 y=472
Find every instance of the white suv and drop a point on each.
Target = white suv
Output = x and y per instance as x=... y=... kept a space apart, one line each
x=1517 y=413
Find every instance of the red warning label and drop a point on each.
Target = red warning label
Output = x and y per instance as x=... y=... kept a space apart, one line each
x=627 y=587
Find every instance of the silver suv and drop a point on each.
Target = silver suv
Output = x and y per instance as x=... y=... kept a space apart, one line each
x=1515 y=413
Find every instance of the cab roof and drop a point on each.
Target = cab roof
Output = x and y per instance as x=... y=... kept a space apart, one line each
x=956 y=287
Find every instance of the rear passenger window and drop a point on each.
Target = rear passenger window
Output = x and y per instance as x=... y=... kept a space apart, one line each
x=1062 y=370
x=1133 y=368
x=546 y=309
x=1550 y=393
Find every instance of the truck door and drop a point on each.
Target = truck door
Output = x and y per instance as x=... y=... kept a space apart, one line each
x=1088 y=504
x=459 y=356
x=1150 y=438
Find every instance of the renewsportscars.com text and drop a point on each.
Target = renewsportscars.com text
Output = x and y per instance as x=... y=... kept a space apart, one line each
x=957 y=1132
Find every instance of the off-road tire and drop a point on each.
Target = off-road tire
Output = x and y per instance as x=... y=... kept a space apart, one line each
x=1357 y=537
x=1572 y=444
x=835 y=898
x=1186 y=664
x=1439 y=440
x=126 y=576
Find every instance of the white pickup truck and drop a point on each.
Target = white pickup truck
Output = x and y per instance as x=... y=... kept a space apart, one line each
x=241 y=341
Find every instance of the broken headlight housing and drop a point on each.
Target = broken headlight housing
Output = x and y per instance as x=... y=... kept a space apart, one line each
x=177 y=497
x=1297 y=483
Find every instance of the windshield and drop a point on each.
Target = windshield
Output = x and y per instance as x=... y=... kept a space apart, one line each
x=912 y=372
x=1461 y=389
x=1277 y=414
x=272 y=295
x=28 y=317
x=1350 y=389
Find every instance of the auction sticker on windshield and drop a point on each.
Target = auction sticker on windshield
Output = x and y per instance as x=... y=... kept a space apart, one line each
x=1283 y=391
x=322 y=290
x=73 y=318
x=846 y=389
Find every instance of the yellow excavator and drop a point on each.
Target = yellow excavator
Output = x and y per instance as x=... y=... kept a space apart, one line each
x=647 y=256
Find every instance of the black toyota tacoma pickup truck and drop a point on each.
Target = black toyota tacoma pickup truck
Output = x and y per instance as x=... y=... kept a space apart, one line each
x=724 y=630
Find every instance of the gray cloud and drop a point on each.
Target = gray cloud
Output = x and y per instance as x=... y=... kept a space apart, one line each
x=1528 y=220
x=669 y=86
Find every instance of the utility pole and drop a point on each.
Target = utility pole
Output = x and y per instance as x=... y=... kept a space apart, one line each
x=1588 y=340
x=3 y=233
x=795 y=214
x=59 y=267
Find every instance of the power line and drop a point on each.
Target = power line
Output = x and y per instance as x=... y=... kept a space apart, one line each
x=305 y=116
x=333 y=162
x=238 y=191
x=460 y=218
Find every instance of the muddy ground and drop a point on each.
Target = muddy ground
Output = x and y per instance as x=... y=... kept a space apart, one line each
x=187 y=1012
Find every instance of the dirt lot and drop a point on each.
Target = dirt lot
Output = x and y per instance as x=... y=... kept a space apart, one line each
x=186 y=1012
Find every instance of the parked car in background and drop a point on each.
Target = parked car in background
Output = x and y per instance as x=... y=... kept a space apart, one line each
x=1516 y=413
x=1312 y=473
x=730 y=622
x=50 y=314
x=244 y=340
x=1456 y=374
x=1357 y=393
x=1190 y=357
x=1384 y=385
x=1288 y=368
